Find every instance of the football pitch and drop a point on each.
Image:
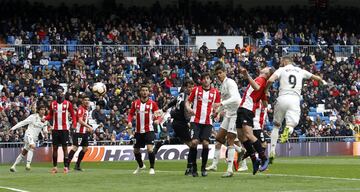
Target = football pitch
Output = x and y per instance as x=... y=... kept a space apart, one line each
x=301 y=174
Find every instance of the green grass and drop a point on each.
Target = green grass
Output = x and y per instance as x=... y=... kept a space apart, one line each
x=287 y=174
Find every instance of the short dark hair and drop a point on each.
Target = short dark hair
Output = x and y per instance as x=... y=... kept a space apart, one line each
x=144 y=85
x=83 y=96
x=40 y=106
x=220 y=66
x=188 y=82
x=205 y=74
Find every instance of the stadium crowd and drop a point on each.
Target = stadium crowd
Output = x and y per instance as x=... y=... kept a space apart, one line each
x=26 y=78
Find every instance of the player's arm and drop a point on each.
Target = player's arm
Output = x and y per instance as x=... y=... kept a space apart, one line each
x=252 y=82
x=72 y=114
x=233 y=94
x=189 y=101
x=170 y=104
x=50 y=115
x=24 y=122
x=264 y=100
x=80 y=120
x=319 y=79
x=155 y=108
x=131 y=115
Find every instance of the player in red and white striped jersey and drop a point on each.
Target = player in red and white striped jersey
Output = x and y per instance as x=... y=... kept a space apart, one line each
x=80 y=138
x=59 y=114
x=254 y=94
x=203 y=98
x=144 y=111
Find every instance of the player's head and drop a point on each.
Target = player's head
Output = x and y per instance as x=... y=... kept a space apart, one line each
x=188 y=85
x=220 y=72
x=60 y=95
x=41 y=109
x=285 y=60
x=205 y=79
x=267 y=72
x=144 y=91
x=85 y=100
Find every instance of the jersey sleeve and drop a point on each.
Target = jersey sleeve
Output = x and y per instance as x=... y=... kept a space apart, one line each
x=132 y=112
x=50 y=115
x=218 y=96
x=307 y=74
x=80 y=113
x=26 y=121
x=261 y=82
x=192 y=95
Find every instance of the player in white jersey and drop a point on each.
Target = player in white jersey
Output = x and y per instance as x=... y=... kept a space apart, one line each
x=230 y=97
x=36 y=124
x=288 y=102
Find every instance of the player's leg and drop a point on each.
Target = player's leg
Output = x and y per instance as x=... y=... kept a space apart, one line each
x=231 y=153
x=139 y=142
x=279 y=115
x=182 y=132
x=64 y=143
x=55 y=143
x=84 y=144
x=220 y=140
x=193 y=149
x=29 y=156
x=292 y=118
x=74 y=147
x=20 y=157
x=205 y=134
x=240 y=161
x=149 y=141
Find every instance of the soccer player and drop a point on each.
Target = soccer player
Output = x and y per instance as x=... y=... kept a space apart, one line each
x=59 y=114
x=203 y=98
x=80 y=138
x=230 y=97
x=288 y=102
x=254 y=93
x=180 y=118
x=144 y=110
x=35 y=125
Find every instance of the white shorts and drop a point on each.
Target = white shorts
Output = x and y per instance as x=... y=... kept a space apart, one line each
x=228 y=124
x=28 y=140
x=288 y=107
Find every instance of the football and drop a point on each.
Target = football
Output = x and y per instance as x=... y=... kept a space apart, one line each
x=99 y=89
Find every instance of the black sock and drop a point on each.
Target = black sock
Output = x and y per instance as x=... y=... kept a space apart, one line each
x=66 y=163
x=80 y=158
x=249 y=149
x=259 y=150
x=54 y=159
x=70 y=157
x=189 y=160
x=204 y=157
x=193 y=155
x=152 y=159
x=139 y=160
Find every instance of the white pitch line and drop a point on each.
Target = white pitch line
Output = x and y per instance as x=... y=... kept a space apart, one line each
x=323 y=190
x=13 y=189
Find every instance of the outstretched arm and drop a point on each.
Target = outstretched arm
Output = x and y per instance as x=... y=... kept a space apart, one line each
x=252 y=82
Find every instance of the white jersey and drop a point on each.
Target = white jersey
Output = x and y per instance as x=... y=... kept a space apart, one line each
x=291 y=79
x=230 y=96
x=35 y=126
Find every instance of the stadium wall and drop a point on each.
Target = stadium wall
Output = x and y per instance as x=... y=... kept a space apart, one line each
x=177 y=152
x=244 y=3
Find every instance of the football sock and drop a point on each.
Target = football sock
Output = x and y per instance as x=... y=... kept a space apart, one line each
x=139 y=160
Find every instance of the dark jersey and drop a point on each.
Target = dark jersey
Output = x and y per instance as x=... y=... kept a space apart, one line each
x=178 y=112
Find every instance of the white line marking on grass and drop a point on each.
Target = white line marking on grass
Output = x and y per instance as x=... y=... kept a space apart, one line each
x=12 y=189
x=322 y=190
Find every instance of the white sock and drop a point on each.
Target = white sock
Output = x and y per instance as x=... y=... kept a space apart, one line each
x=216 y=157
x=231 y=154
x=237 y=148
x=29 y=156
x=243 y=164
x=18 y=159
x=274 y=137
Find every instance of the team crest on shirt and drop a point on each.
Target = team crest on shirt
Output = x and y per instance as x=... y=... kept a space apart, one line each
x=147 y=106
x=211 y=94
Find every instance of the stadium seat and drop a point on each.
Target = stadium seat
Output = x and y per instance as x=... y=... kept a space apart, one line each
x=174 y=91
x=312 y=109
x=318 y=65
x=216 y=126
x=181 y=73
x=10 y=39
x=313 y=114
x=269 y=63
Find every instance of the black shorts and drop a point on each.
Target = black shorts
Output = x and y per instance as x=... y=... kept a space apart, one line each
x=60 y=137
x=244 y=116
x=181 y=130
x=80 y=139
x=142 y=139
x=259 y=134
x=201 y=131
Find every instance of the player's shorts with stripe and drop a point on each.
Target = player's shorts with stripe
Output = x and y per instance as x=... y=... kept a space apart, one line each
x=288 y=107
x=201 y=132
x=81 y=139
x=60 y=137
x=244 y=116
x=142 y=139
x=229 y=124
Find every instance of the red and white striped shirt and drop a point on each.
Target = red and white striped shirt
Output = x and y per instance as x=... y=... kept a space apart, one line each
x=144 y=115
x=59 y=114
x=82 y=113
x=260 y=116
x=251 y=97
x=202 y=104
